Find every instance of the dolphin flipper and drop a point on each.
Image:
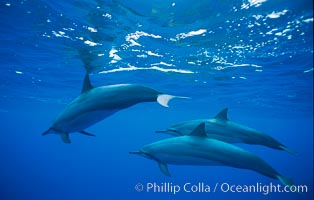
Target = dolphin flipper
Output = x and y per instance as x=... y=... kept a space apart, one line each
x=163 y=99
x=164 y=168
x=64 y=135
x=65 y=138
x=87 y=133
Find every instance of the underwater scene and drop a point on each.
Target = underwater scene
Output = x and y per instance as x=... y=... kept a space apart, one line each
x=159 y=99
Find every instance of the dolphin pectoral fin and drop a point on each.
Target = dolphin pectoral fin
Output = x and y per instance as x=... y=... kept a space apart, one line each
x=164 y=168
x=288 y=150
x=163 y=99
x=285 y=180
x=87 y=133
x=65 y=138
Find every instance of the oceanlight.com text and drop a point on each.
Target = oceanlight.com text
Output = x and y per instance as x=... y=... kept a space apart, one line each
x=202 y=187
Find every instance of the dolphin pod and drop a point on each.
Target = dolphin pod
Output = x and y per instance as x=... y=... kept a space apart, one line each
x=97 y=103
x=200 y=142
x=221 y=128
x=197 y=149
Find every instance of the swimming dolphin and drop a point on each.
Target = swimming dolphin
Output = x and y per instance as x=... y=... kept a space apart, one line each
x=197 y=149
x=96 y=103
x=221 y=128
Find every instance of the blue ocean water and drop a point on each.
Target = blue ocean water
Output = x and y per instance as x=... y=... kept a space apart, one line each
x=253 y=56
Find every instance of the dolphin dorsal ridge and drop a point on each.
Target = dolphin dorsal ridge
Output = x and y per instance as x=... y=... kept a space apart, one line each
x=222 y=115
x=199 y=131
x=86 y=84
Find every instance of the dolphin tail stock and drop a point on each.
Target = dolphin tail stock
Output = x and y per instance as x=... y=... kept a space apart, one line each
x=163 y=99
x=285 y=180
x=288 y=150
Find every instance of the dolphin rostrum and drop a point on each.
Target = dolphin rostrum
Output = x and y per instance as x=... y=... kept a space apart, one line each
x=221 y=128
x=197 y=149
x=96 y=103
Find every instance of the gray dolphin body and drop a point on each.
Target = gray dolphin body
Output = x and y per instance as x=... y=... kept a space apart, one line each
x=221 y=128
x=96 y=103
x=197 y=149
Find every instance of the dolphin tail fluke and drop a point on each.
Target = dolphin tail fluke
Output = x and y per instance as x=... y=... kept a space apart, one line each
x=163 y=99
x=289 y=150
x=285 y=180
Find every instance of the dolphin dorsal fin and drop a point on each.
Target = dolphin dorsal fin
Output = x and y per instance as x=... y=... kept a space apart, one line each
x=222 y=115
x=199 y=131
x=86 y=84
